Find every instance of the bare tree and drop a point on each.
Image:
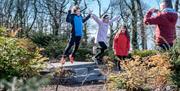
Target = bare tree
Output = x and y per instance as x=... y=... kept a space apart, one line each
x=177 y=5
x=100 y=8
x=134 y=13
x=142 y=28
x=77 y=2
x=55 y=9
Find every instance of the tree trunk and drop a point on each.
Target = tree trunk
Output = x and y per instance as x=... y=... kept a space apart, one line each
x=134 y=26
x=142 y=28
x=177 y=5
x=134 y=21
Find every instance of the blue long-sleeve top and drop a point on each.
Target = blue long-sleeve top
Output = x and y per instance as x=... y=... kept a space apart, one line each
x=77 y=23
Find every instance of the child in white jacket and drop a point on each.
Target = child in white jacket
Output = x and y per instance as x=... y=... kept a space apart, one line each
x=101 y=37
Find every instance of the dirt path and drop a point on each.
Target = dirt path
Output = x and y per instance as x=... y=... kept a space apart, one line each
x=95 y=87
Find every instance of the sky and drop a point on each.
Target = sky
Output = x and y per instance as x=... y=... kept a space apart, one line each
x=92 y=5
x=105 y=4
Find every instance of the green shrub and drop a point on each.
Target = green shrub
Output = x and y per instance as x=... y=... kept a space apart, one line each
x=2 y=31
x=175 y=58
x=32 y=84
x=144 y=53
x=55 y=48
x=138 y=75
x=110 y=53
x=41 y=39
x=55 y=45
x=84 y=54
x=16 y=59
x=20 y=62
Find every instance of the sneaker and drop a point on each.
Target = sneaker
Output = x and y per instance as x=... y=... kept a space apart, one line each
x=63 y=60
x=95 y=60
x=71 y=58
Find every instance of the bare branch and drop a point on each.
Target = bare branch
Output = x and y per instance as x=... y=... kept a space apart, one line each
x=85 y=4
x=128 y=5
x=106 y=10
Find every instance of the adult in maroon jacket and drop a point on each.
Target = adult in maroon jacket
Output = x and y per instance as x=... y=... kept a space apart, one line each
x=166 y=24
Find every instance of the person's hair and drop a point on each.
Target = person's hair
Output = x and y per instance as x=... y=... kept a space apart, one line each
x=105 y=16
x=126 y=32
x=75 y=8
x=168 y=3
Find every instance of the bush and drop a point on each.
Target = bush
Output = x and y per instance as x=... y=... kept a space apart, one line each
x=41 y=39
x=144 y=53
x=2 y=31
x=143 y=73
x=55 y=48
x=55 y=45
x=84 y=54
x=32 y=84
x=18 y=59
x=175 y=59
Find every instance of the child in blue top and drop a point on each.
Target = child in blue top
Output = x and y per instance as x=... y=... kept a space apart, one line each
x=74 y=17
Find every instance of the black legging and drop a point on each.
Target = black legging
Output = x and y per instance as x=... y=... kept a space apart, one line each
x=165 y=46
x=121 y=57
x=73 y=40
x=118 y=62
x=102 y=49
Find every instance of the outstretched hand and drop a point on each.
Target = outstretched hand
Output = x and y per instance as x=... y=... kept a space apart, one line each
x=70 y=8
x=90 y=12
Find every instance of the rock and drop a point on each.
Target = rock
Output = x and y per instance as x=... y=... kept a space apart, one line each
x=82 y=72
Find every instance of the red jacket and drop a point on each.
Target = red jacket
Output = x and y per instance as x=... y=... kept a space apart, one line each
x=166 y=25
x=121 y=44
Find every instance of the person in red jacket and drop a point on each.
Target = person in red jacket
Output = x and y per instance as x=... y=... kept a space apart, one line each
x=165 y=22
x=121 y=44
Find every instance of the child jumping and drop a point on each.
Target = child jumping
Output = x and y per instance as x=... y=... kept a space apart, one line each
x=76 y=20
x=121 y=44
x=101 y=37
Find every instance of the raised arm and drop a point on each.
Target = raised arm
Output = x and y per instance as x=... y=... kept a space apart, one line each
x=96 y=19
x=86 y=18
x=69 y=17
x=158 y=19
x=114 y=19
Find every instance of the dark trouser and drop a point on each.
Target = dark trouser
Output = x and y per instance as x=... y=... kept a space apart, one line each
x=102 y=49
x=73 y=40
x=121 y=58
x=165 y=46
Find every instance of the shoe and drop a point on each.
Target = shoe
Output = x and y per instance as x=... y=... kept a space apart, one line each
x=71 y=58
x=63 y=60
x=95 y=60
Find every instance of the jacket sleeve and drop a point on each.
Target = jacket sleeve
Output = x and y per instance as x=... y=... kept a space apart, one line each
x=86 y=18
x=69 y=17
x=114 y=19
x=115 y=40
x=96 y=19
x=128 y=45
x=159 y=19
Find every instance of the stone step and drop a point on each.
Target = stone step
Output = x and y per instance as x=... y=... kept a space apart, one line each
x=83 y=72
x=89 y=65
x=89 y=77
